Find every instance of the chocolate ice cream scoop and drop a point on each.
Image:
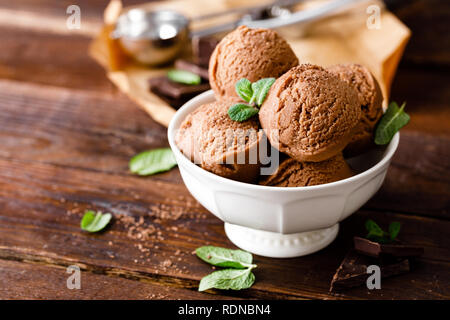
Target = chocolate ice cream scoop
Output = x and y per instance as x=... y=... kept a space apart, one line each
x=310 y=114
x=220 y=145
x=370 y=100
x=291 y=173
x=248 y=53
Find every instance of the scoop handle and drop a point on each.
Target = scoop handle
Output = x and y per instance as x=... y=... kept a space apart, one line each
x=302 y=16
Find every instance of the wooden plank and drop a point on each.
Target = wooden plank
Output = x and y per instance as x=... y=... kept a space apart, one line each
x=40 y=210
x=47 y=58
x=44 y=22
x=426 y=92
x=418 y=180
x=24 y=281
x=74 y=128
x=428 y=21
x=90 y=9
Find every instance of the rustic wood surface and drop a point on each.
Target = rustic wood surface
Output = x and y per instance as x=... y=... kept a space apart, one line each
x=66 y=135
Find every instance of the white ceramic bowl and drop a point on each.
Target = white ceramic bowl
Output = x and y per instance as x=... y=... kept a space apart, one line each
x=275 y=221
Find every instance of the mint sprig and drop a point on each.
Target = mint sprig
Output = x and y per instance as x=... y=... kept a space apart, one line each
x=253 y=93
x=239 y=276
x=392 y=121
x=375 y=233
x=94 y=222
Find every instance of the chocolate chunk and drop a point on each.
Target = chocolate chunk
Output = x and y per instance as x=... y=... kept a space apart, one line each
x=176 y=94
x=202 y=48
x=175 y=103
x=395 y=249
x=353 y=270
x=192 y=67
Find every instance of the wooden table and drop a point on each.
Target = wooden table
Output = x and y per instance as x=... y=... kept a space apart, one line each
x=66 y=135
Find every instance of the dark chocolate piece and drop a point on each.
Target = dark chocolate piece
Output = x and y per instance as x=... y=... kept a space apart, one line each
x=176 y=94
x=175 y=103
x=192 y=67
x=202 y=48
x=353 y=270
x=395 y=249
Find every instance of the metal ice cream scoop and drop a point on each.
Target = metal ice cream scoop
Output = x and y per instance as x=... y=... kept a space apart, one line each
x=157 y=37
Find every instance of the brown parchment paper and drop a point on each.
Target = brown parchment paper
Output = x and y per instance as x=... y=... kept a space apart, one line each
x=338 y=39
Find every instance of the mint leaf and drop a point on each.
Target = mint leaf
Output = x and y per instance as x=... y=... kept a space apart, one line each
x=392 y=121
x=184 y=77
x=374 y=231
x=241 y=112
x=228 y=279
x=374 y=228
x=152 y=161
x=93 y=222
x=260 y=89
x=223 y=257
x=244 y=89
x=394 y=229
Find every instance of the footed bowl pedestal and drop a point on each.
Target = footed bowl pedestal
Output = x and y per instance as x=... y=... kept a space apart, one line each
x=277 y=245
